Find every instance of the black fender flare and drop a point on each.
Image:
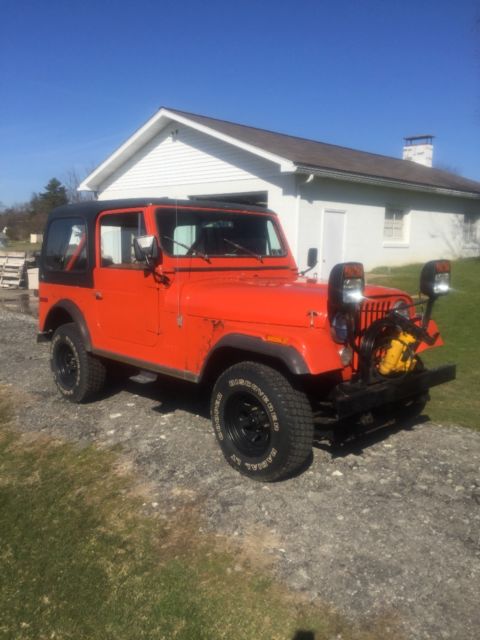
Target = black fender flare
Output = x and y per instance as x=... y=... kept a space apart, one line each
x=77 y=316
x=287 y=354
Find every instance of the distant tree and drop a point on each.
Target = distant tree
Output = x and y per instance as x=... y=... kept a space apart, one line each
x=71 y=181
x=54 y=195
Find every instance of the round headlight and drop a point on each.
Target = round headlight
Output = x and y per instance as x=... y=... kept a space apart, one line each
x=401 y=307
x=340 y=327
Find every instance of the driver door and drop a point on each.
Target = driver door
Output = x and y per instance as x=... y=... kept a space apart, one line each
x=126 y=294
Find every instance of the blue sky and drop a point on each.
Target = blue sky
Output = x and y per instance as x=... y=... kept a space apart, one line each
x=77 y=78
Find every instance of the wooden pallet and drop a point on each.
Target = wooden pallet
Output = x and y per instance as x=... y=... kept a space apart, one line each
x=12 y=269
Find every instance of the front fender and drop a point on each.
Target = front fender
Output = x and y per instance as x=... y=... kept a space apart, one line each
x=318 y=354
x=287 y=354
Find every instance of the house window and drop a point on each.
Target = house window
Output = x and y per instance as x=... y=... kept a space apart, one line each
x=394 y=226
x=470 y=228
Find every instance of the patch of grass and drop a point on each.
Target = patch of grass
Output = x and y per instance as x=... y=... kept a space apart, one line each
x=457 y=402
x=23 y=245
x=79 y=559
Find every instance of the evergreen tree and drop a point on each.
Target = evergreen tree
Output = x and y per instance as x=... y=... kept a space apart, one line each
x=53 y=196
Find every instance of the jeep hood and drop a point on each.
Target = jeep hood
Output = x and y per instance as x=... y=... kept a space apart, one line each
x=263 y=301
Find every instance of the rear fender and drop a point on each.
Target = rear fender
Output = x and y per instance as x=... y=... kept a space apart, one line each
x=65 y=311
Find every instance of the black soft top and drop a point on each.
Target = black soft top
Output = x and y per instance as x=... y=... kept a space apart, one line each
x=89 y=211
x=91 y=208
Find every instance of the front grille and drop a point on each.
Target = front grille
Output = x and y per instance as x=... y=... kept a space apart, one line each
x=372 y=310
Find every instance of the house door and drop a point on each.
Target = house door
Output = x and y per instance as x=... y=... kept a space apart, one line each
x=333 y=240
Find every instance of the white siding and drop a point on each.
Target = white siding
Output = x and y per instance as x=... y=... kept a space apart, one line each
x=181 y=162
x=434 y=223
x=180 y=156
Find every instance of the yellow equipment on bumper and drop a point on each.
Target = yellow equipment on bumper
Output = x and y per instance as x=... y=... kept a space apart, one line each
x=399 y=357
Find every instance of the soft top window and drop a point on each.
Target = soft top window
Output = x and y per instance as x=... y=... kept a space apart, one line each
x=190 y=232
x=66 y=245
x=117 y=233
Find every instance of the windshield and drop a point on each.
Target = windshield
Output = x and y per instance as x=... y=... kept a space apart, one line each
x=199 y=232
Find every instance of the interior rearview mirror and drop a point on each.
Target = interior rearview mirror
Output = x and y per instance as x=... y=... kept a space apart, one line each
x=146 y=248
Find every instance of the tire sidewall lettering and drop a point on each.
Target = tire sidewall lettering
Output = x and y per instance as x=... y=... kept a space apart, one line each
x=218 y=403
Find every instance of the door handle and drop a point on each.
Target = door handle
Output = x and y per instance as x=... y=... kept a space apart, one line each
x=98 y=295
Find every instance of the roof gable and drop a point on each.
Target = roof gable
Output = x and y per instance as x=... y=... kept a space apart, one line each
x=293 y=154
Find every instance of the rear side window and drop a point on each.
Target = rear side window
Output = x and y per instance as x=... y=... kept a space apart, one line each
x=117 y=233
x=66 y=246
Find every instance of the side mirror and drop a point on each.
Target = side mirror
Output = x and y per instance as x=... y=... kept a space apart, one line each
x=146 y=248
x=312 y=257
x=435 y=278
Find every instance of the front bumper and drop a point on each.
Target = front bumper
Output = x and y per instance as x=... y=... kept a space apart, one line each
x=353 y=398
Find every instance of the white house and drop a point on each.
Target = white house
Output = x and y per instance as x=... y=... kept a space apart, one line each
x=350 y=205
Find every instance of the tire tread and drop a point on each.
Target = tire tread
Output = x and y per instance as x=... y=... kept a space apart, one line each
x=94 y=370
x=295 y=404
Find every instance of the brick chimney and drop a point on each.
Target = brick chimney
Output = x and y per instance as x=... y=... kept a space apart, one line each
x=419 y=149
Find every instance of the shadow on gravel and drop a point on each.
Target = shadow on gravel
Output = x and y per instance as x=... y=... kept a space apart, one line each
x=169 y=394
x=339 y=440
x=352 y=437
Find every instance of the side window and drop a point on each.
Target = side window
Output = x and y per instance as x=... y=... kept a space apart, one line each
x=66 y=245
x=470 y=228
x=117 y=232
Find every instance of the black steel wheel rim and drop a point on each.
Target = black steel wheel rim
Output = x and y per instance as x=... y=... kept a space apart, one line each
x=66 y=365
x=248 y=424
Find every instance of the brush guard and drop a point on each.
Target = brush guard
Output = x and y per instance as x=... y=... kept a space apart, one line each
x=371 y=389
x=357 y=397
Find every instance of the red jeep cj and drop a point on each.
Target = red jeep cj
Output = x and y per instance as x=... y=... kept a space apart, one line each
x=210 y=293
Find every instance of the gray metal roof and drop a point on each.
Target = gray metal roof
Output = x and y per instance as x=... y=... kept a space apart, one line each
x=320 y=155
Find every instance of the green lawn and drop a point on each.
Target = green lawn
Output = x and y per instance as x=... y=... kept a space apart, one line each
x=80 y=560
x=22 y=245
x=457 y=402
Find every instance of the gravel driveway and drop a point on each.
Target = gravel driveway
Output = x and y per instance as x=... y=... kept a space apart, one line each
x=389 y=523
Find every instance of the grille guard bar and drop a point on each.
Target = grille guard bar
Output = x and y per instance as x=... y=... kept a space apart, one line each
x=350 y=398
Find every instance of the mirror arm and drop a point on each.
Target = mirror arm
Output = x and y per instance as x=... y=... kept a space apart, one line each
x=302 y=273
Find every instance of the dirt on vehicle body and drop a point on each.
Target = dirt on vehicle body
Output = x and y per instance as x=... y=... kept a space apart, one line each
x=211 y=294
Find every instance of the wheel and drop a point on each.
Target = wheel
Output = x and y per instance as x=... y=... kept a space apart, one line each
x=263 y=425
x=77 y=374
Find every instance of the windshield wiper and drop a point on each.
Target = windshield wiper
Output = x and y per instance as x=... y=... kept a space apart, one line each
x=242 y=248
x=200 y=254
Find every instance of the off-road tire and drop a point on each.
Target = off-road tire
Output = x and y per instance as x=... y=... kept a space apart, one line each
x=79 y=376
x=263 y=425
